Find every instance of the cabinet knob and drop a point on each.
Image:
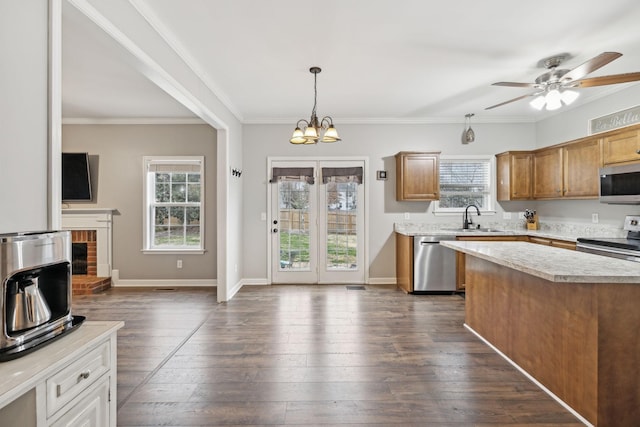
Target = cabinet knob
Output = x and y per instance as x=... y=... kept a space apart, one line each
x=637 y=151
x=84 y=375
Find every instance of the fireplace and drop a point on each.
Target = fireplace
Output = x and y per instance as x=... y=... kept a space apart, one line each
x=91 y=248
x=83 y=252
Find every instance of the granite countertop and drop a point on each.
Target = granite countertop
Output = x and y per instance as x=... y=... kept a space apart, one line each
x=551 y=263
x=561 y=232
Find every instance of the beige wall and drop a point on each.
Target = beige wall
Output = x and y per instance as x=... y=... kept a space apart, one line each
x=119 y=150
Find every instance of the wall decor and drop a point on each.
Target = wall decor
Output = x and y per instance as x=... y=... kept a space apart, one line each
x=628 y=117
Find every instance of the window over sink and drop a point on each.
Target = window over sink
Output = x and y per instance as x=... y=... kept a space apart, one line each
x=466 y=180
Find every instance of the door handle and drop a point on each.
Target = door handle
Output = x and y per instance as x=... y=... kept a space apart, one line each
x=275 y=230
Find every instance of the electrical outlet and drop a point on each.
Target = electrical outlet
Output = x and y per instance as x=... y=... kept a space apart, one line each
x=235 y=268
x=407 y=215
x=506 y=215
x=179 y=264
x=594 y=218
x=521 y=215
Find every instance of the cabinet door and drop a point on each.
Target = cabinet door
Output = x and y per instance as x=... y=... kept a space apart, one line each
x=581 y=162
x=622 y=147
x=547 y=174
x=417 y=176
x=91 y=411
x=521 y=188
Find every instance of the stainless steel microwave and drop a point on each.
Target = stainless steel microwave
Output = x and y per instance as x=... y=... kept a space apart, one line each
x=620 y=184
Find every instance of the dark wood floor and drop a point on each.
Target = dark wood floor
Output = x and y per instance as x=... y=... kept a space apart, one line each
x=310 y=356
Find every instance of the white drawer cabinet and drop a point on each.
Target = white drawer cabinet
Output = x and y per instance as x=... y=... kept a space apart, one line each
x=91 y=411
x=79 y=375
x=70 y=382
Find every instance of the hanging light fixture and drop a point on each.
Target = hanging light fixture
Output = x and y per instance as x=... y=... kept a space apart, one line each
x=468 y=136
x=314 y=127
x=553 y=98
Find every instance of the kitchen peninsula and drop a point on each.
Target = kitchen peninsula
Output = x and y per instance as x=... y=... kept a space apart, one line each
x=568 y=319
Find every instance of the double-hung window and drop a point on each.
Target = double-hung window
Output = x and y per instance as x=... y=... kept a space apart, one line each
x=463 y=181
x=173 y=203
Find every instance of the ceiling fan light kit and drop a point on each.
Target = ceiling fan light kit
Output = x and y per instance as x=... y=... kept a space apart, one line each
x=314 y=127
x=553 y=88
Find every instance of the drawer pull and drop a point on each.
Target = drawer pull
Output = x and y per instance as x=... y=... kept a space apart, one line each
x=84 y=375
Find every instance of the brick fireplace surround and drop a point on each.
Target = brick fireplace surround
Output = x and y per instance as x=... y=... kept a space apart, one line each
x=88 y=284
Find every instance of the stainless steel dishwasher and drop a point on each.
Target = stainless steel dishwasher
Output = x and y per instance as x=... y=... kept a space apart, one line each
x=434 y=266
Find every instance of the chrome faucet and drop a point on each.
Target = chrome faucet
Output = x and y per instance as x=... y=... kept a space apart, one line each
x=466 y=219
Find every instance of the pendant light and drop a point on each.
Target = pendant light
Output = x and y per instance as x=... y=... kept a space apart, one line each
x=314 y=127
x=468 y=136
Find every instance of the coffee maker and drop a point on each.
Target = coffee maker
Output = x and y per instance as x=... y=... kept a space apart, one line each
x=35 y=293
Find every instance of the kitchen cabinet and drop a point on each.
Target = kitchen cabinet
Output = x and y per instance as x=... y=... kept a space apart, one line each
x=546 y=241
x=514 y=175
x=568 y=171
x=69 y=382
x=417 y=176
x=547 y=173
x=622 y=147
x=581 y=161
x=404 y=262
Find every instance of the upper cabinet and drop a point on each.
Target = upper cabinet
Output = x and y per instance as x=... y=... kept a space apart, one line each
x=417 y=176
x=547 y=173
x=581 y=161
x=621 y=147
x=514 y=175
x=567 y=171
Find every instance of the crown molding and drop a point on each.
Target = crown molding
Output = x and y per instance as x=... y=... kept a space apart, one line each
x=132 y=121
x=397 y=121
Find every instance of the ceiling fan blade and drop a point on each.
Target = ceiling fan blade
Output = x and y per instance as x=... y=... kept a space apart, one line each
x=513 y=84
x=512 y=100
x=606 y=80
x=591 y=65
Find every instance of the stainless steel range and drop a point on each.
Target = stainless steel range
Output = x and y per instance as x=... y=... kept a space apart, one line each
x=35 y=290
x=624 y=248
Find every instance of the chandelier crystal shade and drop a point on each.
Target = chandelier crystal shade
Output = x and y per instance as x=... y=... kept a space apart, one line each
x=314 y=129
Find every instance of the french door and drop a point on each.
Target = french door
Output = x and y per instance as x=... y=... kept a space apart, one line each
x=317 y=221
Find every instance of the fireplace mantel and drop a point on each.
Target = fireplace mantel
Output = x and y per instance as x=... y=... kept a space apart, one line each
x=100 y=220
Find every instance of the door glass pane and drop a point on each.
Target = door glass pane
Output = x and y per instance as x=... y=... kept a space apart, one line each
x=293 y=201
x=342 y=242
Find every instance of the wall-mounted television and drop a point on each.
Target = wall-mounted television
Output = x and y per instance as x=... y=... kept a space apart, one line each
x=76 y=178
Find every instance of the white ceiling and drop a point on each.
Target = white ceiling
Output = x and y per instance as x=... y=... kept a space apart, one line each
x=382 y=60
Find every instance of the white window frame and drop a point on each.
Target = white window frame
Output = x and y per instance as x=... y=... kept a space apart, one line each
x=148 y=192
x=491 y=198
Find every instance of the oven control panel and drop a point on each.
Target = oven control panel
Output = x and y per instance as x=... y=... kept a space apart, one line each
x=632 y=223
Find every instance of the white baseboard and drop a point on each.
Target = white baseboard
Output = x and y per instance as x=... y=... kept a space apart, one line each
x=255 y=282
x=382 y=280
x=116 y=282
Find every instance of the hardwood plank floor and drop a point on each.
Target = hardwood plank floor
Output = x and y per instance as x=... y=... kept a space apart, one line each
x=308 y=356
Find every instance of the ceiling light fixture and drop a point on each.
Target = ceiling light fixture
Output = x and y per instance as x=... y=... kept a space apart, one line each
x=468 y=136
x=314 y=127
x=553 y=98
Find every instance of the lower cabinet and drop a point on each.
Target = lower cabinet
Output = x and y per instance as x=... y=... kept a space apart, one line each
x=68 y=383
x=91 y=411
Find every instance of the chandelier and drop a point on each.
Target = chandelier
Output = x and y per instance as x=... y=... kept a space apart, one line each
x=314 y=127
x=553 y=98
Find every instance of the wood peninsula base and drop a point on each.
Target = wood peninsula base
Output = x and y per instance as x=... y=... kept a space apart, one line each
x=579 y=340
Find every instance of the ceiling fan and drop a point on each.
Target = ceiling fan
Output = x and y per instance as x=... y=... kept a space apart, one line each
x=554 y=87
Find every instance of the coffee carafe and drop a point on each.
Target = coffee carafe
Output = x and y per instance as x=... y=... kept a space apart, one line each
x=26 y=307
